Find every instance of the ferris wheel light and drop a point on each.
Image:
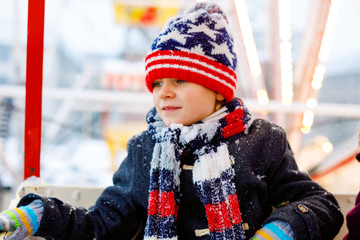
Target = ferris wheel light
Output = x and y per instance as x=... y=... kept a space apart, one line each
x=248 y=38
x=286 y=67
x=318 y=77
x=262 y=97
x=329 y=30
x=311 y=103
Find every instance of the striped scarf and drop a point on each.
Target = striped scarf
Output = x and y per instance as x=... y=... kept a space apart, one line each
x=212 y=174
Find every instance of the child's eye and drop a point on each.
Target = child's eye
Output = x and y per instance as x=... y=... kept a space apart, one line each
x=156 y=84
x=180 y=81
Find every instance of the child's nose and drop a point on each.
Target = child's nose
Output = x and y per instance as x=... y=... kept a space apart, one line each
x=167 y=90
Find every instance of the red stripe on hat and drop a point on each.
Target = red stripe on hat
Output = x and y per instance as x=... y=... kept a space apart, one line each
x=183 y=65
x=189 y=59
x=158 y=63
x=191 y=56
x=201 y=79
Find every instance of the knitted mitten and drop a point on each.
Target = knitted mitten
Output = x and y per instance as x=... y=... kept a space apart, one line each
x=22 y=221
x=275 y=230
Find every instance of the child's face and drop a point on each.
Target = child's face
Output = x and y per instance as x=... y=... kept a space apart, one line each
x=178 y=101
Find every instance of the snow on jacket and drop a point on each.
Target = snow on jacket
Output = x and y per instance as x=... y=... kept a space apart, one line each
x=268 y=184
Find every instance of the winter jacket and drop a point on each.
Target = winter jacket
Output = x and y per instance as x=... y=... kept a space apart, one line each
x=268 y=184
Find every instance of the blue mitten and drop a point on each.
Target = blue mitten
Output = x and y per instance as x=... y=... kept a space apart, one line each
x=22 y=221
x=275 y=230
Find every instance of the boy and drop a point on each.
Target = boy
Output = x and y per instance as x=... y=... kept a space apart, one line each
x=203 y=169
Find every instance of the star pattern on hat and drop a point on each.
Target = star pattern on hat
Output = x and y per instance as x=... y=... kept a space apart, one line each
x=200 y=29
x=174 y=35
x=223 y=48
x=220 y=25
x=199 y=33
x=198 y=49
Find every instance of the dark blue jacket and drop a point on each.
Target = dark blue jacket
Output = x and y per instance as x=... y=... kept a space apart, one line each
x=268 y=183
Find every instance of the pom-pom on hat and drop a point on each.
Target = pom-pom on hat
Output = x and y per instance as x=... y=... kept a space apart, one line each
x=196 y=47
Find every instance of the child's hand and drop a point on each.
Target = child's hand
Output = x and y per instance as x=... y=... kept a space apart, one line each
x=275 y=230
x=22 y=221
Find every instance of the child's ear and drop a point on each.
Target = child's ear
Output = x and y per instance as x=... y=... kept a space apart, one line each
x=219 y=97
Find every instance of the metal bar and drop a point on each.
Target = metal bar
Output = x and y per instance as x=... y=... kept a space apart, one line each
x=143 y=101
x=343 y=154
x=33 y=98
x=306 y=64
x=245 y=42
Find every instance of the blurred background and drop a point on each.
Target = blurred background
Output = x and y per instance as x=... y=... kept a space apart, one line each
x=299 y=66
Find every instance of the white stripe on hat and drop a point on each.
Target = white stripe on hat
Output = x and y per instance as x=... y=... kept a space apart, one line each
x=191 y=60
x=177 y=66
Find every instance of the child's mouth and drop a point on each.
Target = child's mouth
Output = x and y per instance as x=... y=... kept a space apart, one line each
x=170 y=108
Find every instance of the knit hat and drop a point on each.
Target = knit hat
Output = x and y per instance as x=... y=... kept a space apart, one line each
x=196 y=47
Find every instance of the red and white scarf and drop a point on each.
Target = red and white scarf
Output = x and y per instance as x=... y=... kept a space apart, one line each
x=213 y=176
